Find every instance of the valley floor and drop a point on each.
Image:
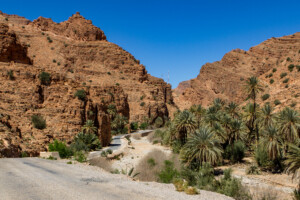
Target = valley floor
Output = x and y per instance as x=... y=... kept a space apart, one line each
x=279 y=186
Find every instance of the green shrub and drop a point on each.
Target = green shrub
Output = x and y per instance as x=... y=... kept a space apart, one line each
x=253 y=169
x=298 y=68
x=86 y=142
x=265 y=97
x=134 y=126
x=10 y=75
x=142 y=103
x=271 y=81
x=80 y=156
x=291 y=67
x=277 y=102
x=38 y=122
x=274 y=70
x=270 y=75
x=158 y=122
x=69 y=162
x=283 y=74
x=232 y=187
x=61 y=148
x=80 y=94
x=168 y=173
x=24 y=154
x=286 y=80
x=286 y=86
x=289 y=59
x=117 y=84
x=261 y=156
x=293 y=104
x=142 y=97
x=54 y=61
x=151 y=162
x=144 y=125
x=45 y=78
x=108 y=73
x=51 y=158
x=49 y=39
x=235 y=152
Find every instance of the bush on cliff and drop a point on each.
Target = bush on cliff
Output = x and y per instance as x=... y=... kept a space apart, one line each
x=38 y=122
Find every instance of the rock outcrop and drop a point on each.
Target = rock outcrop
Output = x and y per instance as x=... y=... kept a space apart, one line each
x=226 y=78
x=78 y=57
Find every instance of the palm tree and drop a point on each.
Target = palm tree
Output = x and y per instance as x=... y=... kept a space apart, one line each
x=218 y=103
x=237 y=131
x=89 y=127
x=199 y=113
x=267 y=116
x=118 y=124
x=293 y=161
x=211 y=116
x=249 y=117
x=185 y=122
x=253 y=87
x=272 y=142
x=112 y=110
x=202 y=147
x=289 y=124
x=232 y=109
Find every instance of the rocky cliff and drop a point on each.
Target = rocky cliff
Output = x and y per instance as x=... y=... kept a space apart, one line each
x=276 y=62
x=77 y=56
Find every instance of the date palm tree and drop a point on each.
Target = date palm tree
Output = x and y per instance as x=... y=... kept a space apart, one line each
x=289 y=124
x=253 y=87
x=237 y=131
x=293 y=162
x=185 y=123
x=272 y=142
x=199 y=113
x=249 y=115
x=202 y=147
x=232 y=109
x=266 y=117
x=89 y=127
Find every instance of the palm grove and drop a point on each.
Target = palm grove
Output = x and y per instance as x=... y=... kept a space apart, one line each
x=226 y=131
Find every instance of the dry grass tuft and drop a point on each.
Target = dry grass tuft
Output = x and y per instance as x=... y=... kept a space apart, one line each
x=191 y=190
x=101 y=162
x=150 y=165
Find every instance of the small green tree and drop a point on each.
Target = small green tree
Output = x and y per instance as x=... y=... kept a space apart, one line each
x=80 y=94
x=45 y=78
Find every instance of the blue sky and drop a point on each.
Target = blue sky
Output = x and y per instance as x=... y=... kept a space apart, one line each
x=175 y=36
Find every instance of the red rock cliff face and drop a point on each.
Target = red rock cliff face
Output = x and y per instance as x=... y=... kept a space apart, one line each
x=78 y=57
x=226 y=78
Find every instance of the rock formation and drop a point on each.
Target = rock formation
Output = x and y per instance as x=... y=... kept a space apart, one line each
x=226 y=78
x=77 y=56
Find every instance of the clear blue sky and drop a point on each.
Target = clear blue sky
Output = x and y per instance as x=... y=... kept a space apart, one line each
x=178 y=36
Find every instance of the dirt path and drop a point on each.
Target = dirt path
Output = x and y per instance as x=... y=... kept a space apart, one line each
x=280 y=186
x=35 y=179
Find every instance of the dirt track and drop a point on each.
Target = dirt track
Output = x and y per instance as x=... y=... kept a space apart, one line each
x=35 y=179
